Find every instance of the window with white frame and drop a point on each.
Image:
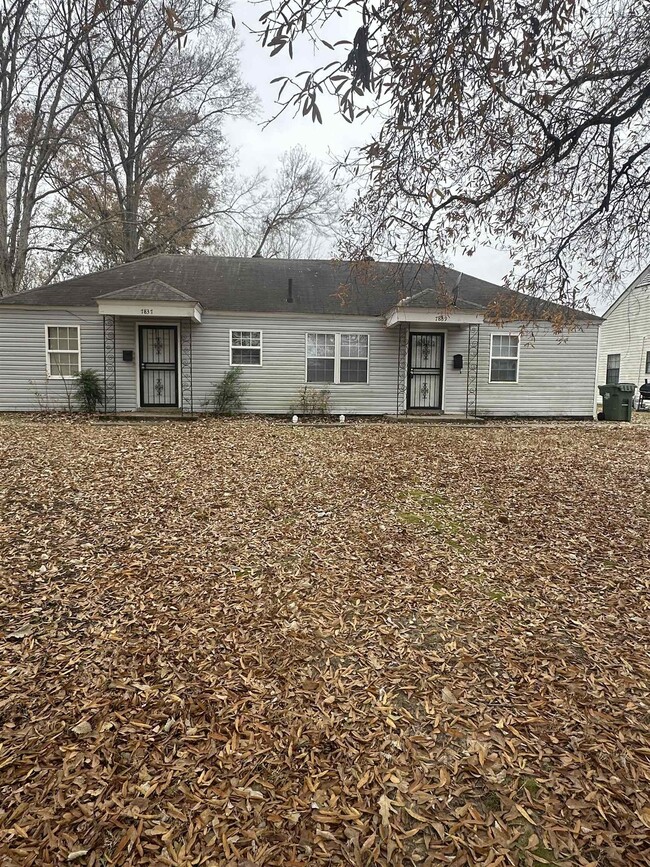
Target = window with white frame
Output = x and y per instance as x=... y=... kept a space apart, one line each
x=246 y=348
x=337 y=358
x=354 y=358
x=504 y=358
x=62 y=350
x=613 y=371
x=321 y=357
x=647 y=362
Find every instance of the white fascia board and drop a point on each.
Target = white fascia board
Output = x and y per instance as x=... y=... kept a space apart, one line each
x=150 y=309
x=439 y=316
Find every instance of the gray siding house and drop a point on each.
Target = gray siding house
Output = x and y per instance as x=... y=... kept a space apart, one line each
x=381 y=338
x=624 y=354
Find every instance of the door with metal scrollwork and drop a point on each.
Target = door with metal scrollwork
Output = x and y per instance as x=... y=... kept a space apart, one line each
x=425 y=371
x=158 y=365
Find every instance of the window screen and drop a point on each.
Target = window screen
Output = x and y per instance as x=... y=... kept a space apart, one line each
x=321 y=357
x=354 y=358
x=246 y=348
x=338 y=358
x=62 y=350
x=504 y=358
x=613 y=369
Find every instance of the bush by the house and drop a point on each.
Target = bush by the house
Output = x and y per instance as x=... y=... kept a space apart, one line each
x=312 y=401
x=89 y=391
x=227 y=396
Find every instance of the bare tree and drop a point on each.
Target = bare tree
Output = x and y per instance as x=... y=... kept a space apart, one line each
x=45 y=91
x=39 y=49
x=232 y=240
x=151 y=138
x=513 y=118
x=289 y=216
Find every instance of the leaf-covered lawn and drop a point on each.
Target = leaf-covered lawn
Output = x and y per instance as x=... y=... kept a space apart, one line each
x=242 y=643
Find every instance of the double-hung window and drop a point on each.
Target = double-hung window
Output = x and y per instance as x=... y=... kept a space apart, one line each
x=63 y=358
x=353 y=358
x=337 y=358
x=246 y=348
x=504 y=358
x=613 y=372
x=321 y=357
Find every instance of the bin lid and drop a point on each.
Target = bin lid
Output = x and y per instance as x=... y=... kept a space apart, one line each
x=617 y=387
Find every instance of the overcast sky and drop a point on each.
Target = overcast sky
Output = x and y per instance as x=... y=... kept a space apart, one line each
x=260 y=147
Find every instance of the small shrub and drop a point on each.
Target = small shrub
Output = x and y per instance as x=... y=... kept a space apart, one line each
x=89 y=391
x=313 y=401
x=227 y=395
x=42 y=397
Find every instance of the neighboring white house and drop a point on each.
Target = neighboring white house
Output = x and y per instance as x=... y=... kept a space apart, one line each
x=624 y=354
x=380 y=338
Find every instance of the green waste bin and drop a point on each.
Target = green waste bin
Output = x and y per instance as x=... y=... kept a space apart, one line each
x=617 y=401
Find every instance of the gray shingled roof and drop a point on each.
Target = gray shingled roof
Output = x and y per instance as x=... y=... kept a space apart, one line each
x=259 y=285
x=152 y=290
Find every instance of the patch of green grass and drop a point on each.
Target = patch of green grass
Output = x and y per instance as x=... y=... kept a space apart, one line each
x=414 y=518
x=497 y=595
x=426 y=497
x=448 y=526
x=492 y=801
x=544 y=856
x=431 y=516
x=540 y=854
x=422 y=519
x=531 y=785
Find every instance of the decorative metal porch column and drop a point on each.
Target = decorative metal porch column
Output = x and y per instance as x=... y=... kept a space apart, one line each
x=110 y=374
x=402 y=367
x=471 y=398
x=187 y=389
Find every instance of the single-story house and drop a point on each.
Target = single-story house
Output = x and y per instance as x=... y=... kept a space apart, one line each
x=379 y=337
x=624 y=354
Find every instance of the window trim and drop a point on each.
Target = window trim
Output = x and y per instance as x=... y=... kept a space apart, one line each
x=337 y=358
x=494 y=357
x=49 y=352
x=647 y=363
x=618 y=368
x=261 y=347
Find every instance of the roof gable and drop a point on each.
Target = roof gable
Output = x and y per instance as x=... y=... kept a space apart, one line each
x=152 y=290
x=639 y=282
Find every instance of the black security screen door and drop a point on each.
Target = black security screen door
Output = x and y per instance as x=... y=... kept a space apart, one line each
x=425 y=371
x=158 y=365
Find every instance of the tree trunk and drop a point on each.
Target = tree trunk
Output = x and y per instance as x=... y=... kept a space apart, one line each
x=8 y=283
